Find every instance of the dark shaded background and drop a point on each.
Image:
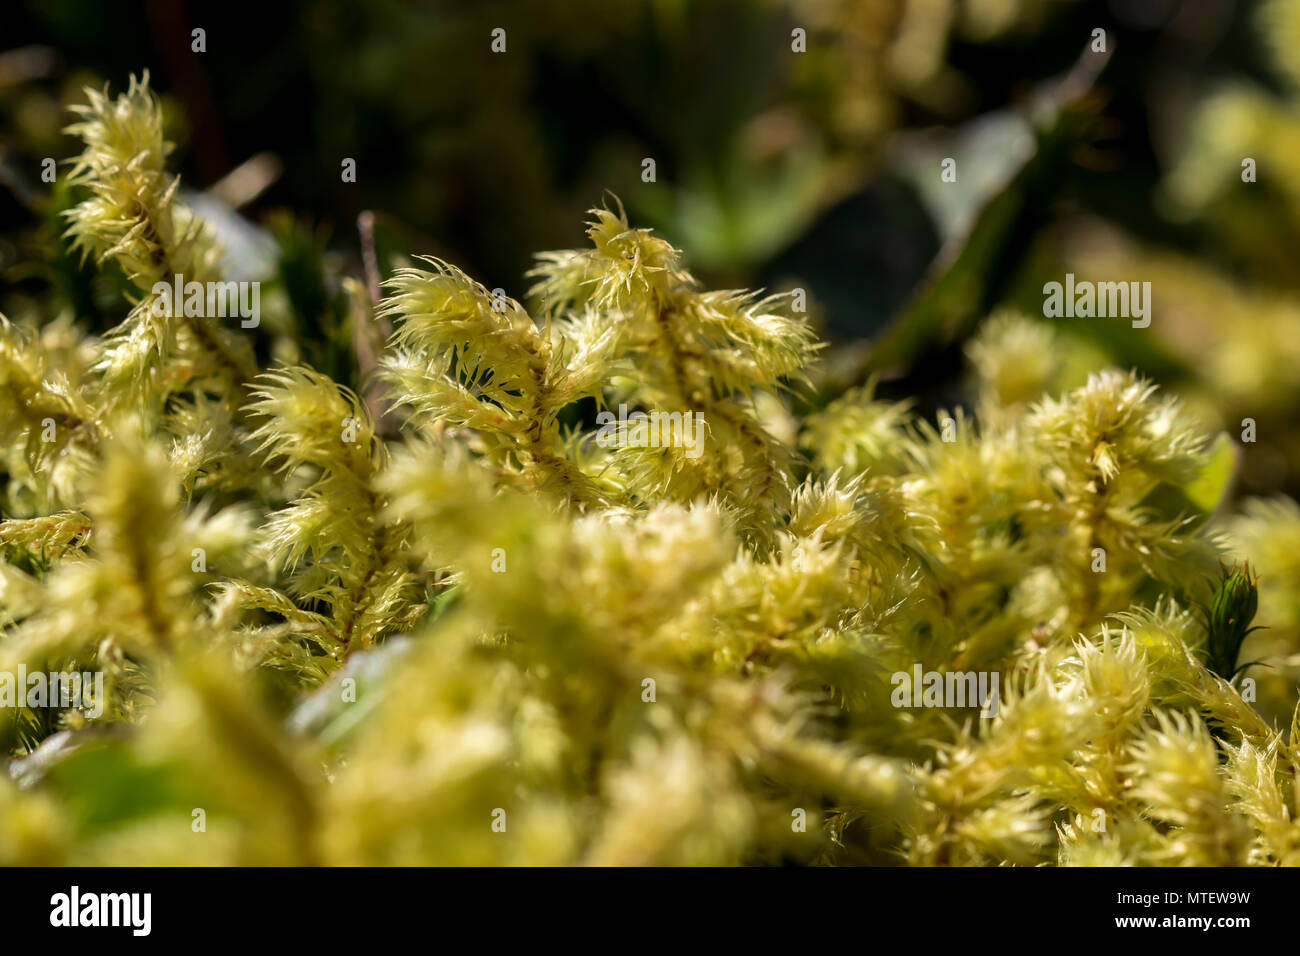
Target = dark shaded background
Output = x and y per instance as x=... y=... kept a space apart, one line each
x=491 y=157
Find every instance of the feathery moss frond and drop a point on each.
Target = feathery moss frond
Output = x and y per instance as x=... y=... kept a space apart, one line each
x=958 y=640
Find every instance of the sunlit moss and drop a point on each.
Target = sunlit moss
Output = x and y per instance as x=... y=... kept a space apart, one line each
x=494 y=639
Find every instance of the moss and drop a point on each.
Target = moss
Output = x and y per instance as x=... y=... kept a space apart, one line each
x=619 y=652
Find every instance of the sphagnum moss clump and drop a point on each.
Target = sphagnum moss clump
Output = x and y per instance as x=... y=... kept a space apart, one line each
x=494 y=639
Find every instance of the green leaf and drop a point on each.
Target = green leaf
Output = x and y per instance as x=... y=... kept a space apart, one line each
x=1200 y=498
x=1210 y=488
x=104 y=782
x=334 y=710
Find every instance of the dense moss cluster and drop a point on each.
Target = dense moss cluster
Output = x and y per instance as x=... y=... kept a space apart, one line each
x=486 y=637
